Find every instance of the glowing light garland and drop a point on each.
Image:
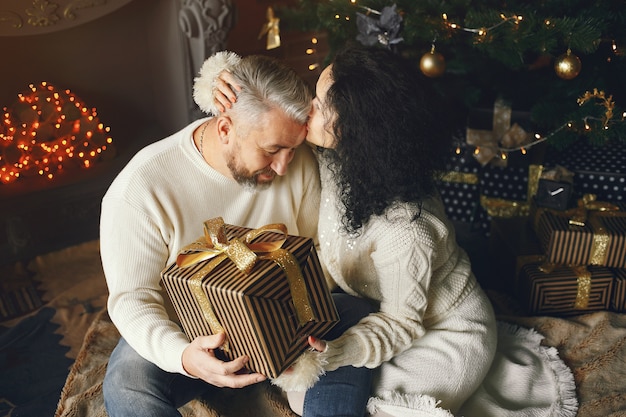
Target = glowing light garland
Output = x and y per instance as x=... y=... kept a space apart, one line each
x=47 y=131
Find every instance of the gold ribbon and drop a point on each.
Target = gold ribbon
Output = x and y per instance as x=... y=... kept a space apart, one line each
x=272 y=29
x=588 y=210
x=601 y=239
x=499 y=207
x=216 y=247
x=487 y=141
x=583 y=282
x=461 y=177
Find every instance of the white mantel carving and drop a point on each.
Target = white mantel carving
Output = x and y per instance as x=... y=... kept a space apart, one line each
x=36 y=17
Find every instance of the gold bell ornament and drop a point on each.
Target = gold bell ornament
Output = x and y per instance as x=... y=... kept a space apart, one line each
x=567 y=66
x=432 y=64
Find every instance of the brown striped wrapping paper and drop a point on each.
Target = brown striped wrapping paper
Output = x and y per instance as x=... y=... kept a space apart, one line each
x=600 y=241
x=564 y=290
x=618 y=300
x=257 y=309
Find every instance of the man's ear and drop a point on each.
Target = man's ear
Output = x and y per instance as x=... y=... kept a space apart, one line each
x=224 y=127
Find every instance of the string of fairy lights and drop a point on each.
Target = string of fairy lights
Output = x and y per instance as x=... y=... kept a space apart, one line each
x=48 y=130
x=566 y=66
x=598 y=96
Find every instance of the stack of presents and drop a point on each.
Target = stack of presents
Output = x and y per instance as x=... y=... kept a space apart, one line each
x=555 y=220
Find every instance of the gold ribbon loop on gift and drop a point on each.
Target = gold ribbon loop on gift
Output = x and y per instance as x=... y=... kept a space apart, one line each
x=216 y=247
x=488 y=141
x=578 y=215
x=601 y=239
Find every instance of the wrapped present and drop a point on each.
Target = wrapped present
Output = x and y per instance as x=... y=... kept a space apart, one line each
x=493 y=132
x=459 y=188
x=546 y=289
x=599 y=170
x=513 y=203
x=555 y=188
x=618 y=298
x=594 y=233
x=263 y=287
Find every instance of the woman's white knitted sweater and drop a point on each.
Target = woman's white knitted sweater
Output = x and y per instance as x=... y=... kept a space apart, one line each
x=434 y=336
x=414 y=270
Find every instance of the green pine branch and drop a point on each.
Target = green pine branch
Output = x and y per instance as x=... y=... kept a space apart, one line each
x=514 y=60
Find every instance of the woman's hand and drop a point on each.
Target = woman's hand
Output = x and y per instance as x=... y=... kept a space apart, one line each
x=225 y=91
x=317 y=344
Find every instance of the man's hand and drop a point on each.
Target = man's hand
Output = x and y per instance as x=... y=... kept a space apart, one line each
x=199 y=360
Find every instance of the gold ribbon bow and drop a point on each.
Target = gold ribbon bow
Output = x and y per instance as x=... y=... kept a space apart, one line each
x=487 y=141
x=216 y=247
x=583 y=214
x=579 y=217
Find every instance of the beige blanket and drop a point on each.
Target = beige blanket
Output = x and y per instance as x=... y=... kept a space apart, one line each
x=592 y=345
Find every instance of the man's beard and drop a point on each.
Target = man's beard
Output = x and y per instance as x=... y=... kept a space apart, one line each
x=249 y=180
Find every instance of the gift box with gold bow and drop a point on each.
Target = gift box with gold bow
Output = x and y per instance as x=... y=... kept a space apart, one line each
x=264 y=288
x=593 y=233
x=547 y=289
x=495 y=132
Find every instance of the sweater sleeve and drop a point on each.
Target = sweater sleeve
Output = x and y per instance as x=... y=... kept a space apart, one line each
x=133 y=254
x=403 y=259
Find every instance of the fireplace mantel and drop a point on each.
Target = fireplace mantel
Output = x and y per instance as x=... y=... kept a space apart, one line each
x=36 y=17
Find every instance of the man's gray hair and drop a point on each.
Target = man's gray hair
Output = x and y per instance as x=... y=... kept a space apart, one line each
x=267 y=84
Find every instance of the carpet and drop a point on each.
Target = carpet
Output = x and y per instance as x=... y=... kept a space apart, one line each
x=592 y=345
x=53 y=355
x=46 y=308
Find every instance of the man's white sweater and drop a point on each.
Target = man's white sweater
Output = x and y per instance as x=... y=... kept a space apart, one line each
x=157 y=205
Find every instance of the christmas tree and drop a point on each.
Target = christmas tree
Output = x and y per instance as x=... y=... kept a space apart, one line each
x=563 y=61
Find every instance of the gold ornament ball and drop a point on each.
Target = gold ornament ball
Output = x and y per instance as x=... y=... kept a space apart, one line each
x=567 y=66
x=432 y=64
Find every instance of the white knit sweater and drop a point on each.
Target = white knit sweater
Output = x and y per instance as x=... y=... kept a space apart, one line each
x=157 y=205
x=434 y=335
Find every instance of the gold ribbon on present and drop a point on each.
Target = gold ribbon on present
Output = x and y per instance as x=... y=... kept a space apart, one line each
x=487 y=141
x=460 y=177
x=601 y=239
x=243 y=252
x=588 y=210
x=272 y=29
x=499 y=207
x=583 y=282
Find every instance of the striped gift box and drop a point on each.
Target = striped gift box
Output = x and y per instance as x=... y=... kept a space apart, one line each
x=600 y=241
x=618 y=300
x=564 y=290
x=257 y=310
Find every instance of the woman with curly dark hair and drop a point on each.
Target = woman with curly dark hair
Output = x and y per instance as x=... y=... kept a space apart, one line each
x=384 y=236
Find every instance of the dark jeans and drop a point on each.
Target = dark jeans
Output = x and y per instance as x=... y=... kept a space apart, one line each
x=134 y=386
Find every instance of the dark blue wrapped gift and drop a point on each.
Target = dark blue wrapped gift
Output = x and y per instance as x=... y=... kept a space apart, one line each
x=597 y=170
x=459 y=188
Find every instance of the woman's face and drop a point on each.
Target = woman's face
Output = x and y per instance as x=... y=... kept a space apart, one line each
x=321 y=118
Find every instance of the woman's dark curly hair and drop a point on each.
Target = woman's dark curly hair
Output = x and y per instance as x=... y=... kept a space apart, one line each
x=392 y=140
